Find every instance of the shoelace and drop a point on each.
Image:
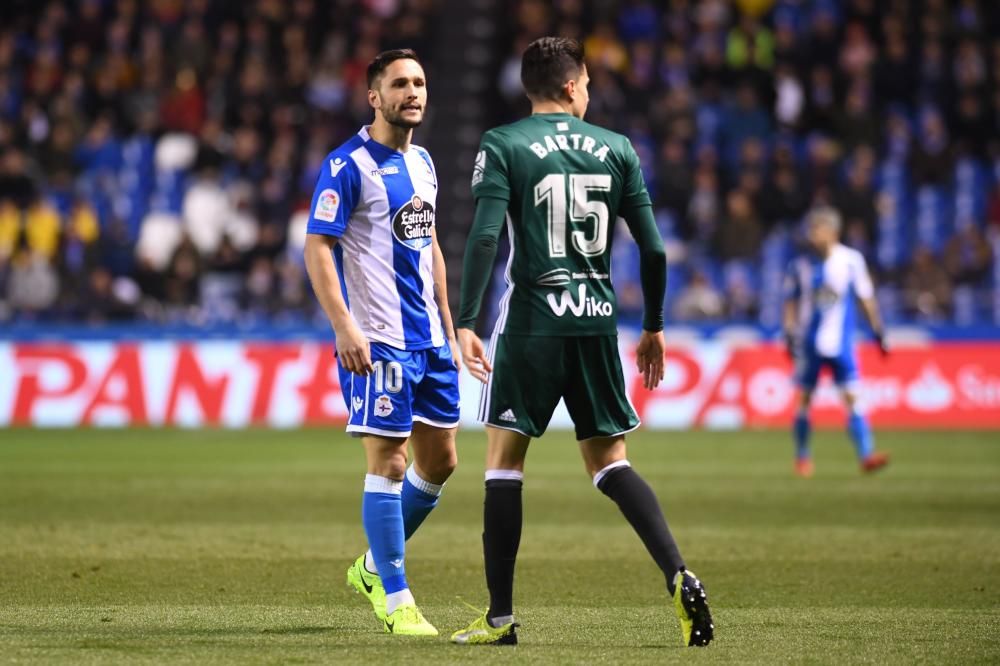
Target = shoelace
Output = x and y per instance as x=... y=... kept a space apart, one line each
x=479 y=611
x=412 y=614
x=482 y=613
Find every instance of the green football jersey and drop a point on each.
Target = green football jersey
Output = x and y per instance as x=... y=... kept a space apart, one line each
x=566 y=183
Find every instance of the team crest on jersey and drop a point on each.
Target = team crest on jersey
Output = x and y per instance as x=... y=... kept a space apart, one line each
x=413 y=223
x=826 y=298
x=327 y=205
x=383 y=406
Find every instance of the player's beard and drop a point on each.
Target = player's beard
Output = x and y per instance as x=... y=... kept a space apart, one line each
x=396 y=119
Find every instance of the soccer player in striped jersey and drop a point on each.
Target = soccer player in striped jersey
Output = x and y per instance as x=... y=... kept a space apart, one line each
x=822 y=292
x=374 y=261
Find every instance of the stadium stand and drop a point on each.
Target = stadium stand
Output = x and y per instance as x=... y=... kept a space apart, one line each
x=156 y=158
x=746 y=113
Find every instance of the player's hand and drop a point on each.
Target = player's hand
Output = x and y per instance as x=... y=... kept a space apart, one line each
x=649 y=358
x=883 y=346
x=456 y=353
x=474 y=354
x=353 y=350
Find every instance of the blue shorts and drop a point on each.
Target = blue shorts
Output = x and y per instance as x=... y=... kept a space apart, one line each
x=406 y=386
x=809 y=365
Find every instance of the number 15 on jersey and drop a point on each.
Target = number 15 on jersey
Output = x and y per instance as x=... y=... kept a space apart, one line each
x=576 y=206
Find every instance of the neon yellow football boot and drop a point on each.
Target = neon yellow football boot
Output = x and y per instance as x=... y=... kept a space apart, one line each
x=367 y=584
x=481 y=632
x=691 y=604
x=407 y=620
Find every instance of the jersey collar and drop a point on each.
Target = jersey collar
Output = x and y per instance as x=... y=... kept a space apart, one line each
x=369 y=142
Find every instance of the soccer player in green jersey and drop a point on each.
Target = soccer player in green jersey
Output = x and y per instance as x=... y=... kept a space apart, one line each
x=560 y=184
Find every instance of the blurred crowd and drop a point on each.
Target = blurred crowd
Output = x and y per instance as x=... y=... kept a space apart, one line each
x=157 y=158
x=746 y=113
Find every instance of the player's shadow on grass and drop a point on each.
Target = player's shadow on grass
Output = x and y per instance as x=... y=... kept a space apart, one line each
x=304 y=631
x=527 y=644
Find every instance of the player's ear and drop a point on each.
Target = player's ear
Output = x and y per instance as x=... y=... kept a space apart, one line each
x=570 y=89
x=374 y=100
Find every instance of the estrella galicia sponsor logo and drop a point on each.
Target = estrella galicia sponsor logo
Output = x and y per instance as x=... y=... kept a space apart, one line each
x=413 y=223
x=583 y=306
x=557 y=277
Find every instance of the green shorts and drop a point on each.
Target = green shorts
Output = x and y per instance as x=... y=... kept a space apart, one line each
x=531 y=373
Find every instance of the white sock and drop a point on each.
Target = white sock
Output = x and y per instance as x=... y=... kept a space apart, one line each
x=370 y=563
x=497 y=622
x=422 y=484
x=397 y=599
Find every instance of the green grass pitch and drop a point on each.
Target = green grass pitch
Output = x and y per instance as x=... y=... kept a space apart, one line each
x=231 y=547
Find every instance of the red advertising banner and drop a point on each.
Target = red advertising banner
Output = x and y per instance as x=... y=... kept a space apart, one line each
x=239 y=384
x=942 y=386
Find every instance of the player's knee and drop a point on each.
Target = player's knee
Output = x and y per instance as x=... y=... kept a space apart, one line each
x=449 y=463
x=395 y=468
x=444 y=463
x=390 y=464
x=600 y=452
x=850 y=400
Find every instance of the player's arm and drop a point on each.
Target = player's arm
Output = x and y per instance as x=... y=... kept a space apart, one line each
x=491 y=189
x=790 y=310
x=637 y=210
x=788 y=319
x=337 y=190
x=477 y=267
x=653 y=281
x=864 y=289
x=352 y=345
x=870 y=307
x=441 y=294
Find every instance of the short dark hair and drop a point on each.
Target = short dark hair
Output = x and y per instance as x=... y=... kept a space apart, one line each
x=386 y=58
x=548 y=63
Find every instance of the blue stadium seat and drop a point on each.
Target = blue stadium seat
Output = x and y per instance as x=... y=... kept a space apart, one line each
x=776 y=255
x=931 y=217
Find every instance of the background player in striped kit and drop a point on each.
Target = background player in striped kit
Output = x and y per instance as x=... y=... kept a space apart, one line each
x=376 y=267
x=823 y=290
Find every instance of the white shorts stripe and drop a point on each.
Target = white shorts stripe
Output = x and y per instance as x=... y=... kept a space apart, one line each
x=484 y=400
x=368 y=430
x=436 y=424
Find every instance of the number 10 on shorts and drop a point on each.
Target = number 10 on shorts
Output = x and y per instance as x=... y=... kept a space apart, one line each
x=387 y=377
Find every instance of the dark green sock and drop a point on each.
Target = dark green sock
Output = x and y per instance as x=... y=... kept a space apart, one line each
x=640 y=507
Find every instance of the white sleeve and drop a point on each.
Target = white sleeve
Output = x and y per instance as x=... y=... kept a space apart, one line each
x=863 y=286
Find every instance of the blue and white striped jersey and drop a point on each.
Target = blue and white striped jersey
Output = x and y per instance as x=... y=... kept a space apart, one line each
x=827 y=291
x=379 y=203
